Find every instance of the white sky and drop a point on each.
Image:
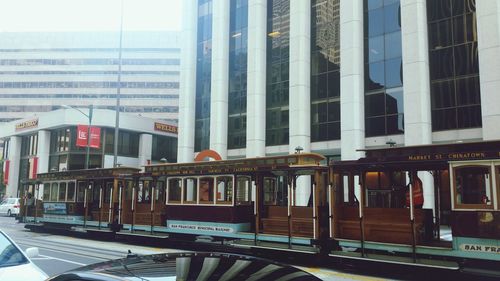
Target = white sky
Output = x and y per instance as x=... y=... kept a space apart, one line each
x=89 y=15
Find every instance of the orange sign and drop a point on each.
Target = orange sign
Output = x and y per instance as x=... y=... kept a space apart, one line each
x=165 y=128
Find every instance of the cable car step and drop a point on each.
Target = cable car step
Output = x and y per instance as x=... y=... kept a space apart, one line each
x=441 y=264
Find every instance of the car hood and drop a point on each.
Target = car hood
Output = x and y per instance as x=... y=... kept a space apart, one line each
x=188 y=266
x=28 y=271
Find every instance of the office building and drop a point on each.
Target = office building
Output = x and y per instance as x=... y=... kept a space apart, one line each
x=49 y=142
x=264 y=77
x=39 y=72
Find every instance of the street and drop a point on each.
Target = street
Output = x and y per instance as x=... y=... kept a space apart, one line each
x=62 y=253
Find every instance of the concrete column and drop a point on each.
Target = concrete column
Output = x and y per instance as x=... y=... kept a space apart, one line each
x=145 y=149
x=220 y=78
x=488 y=29
x=300 y=88
x=416 y=84
x=15 y=165
x=256 y=78
x=300 y=75
x=43 y=151
x=187 y=88
x=352 y=96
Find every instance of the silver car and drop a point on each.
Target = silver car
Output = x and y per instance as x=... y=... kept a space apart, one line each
x=10 y=206
x=15 y=264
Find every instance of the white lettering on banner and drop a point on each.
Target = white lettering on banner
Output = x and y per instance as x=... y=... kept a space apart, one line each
x=480 y=248
x=82 y=135
x=202 y=227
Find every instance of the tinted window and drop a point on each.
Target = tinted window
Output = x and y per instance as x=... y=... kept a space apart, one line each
x=453 y=64
x=10 y=254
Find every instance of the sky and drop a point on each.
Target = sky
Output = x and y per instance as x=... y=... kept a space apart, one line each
x=89 y=15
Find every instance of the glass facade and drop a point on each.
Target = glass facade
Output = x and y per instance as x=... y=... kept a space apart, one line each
x=277 y=85
x=65 y=155
x=325 y=70
x=238 y=50
x=203 y=75
x=84 y=65
x=383 y=68
x=128 y=143
x=164 y=147
x=454 y=65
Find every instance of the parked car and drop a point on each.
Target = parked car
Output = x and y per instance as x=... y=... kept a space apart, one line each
x=10 y=206
x=186 y=266
x=15 y=264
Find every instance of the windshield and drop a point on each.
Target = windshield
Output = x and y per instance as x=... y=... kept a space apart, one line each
x=10 y=255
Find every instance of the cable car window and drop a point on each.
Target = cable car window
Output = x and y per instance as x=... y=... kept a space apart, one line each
x=71 y=192
x=270 y=191
x=46 y=192
x=473 y=188
x=146 y=192
x=62 y=191
x=206 y=189
x=224 y=190
x=190 y=192
x=174 y=190
x=160 y=191
x=96 y=193
x=140 y=192
x=243 y=190
x=54 y=190
x=108 y=191
x=80 y=194
x=386 y=189
x=128 y=189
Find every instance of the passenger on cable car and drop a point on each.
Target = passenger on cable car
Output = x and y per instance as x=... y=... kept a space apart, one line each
x=418 y=193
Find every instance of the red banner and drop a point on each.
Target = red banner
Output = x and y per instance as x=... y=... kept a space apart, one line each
x=33 y=168
x=6 y=172
x=81 y=136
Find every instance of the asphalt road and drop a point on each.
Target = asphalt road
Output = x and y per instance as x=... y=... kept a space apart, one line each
x=62 y=253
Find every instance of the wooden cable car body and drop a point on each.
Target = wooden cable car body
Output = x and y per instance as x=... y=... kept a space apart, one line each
x=370 y=213
x=367 y=208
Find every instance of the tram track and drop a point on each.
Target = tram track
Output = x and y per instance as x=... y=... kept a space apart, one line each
x=72 y=249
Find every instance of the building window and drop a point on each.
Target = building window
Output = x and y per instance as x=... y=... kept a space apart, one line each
x=203 y=76
x=128 y=143
x=325 y=70
x=29 y=145
x=238 y=39
x=277 y=92
x=164 y=147
x=383 y=68
x=454 y=64
x=60 y=140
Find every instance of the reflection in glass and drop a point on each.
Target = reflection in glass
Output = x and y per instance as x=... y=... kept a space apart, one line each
x=393 y=73
x=376 y=76
x=392 y=18
x=278 y=29
x=203 y=75
x=376 y=49
x=453 y=56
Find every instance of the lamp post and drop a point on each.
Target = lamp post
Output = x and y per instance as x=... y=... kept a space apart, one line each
x=118 y=90
x=89 y=116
